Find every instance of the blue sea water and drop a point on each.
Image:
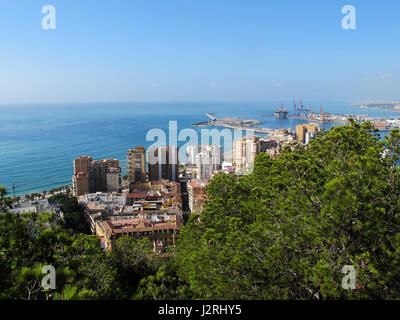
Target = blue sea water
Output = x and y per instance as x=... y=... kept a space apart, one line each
x=38 y=142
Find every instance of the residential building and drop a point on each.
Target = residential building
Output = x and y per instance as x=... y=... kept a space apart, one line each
x=203 y=165
x=113 y=180
x=202 y=160
x=110 y=200
x=164 y=231
x=215 y=152
x=270 y=146
x=197 y=194
x=167 y=191
x=80 y=182
x=37 y=206
x=191 y=153
x=245 y=150
x=94 y=176
x=98 y=174
x=163 y=163
x=81 y=164
x=136 y=163
x=154 y=200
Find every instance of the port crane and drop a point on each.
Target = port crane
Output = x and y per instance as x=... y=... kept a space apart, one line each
x=302 y=108
x=295 y=108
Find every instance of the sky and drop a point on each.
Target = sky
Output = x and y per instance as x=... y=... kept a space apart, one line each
x=198 y=50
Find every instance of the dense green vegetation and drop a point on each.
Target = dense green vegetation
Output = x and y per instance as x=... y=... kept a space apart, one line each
x=287 y=230
x=83 y=270
x=5 y=202
x=282 y=232
x=74 y=219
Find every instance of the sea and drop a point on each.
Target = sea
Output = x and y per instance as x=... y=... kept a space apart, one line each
x=38 y=142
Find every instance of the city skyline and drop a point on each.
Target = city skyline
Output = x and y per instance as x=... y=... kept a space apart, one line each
x=197 y=51
x=177 y=151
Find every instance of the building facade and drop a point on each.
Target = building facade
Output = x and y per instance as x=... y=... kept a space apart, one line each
x=95 y=176
x=305 y=131
x=163 y=163
x=114 y=179
x=245 y=150
x=164 y=231
x=136 y=163
x=197 y=194
x=80 y=180
x=203 y=160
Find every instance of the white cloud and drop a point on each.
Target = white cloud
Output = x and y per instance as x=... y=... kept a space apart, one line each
x=212 y=84
x=381 y=77
x=385 y=76
x=365 y=79
x=280 y=83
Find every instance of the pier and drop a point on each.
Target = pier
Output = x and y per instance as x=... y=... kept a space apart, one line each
x=227 y=122
x=236 y=124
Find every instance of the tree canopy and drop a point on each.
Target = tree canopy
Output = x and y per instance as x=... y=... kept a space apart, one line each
x=287 y=229
x=83 y=270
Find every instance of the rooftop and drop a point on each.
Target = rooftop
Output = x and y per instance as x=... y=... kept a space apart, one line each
x=197 y=183
x=138 y=225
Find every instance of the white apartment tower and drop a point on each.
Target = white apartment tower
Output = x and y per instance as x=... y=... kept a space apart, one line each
x=245 y=150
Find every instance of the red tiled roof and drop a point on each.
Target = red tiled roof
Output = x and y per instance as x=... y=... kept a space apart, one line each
x=198 y=183
x=137 y=225
x=139 y=195
x=95 y=207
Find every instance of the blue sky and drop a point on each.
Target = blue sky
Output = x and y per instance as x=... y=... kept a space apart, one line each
x=192 y=50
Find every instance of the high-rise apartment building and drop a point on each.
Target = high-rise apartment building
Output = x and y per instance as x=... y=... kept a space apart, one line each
x=81 y=164
x=113 y=179
x=203 y=165
x=98 y=174
x=245 y=150
x=94 y=176
x=191 y=153
x=136 y=163
x=80 y=182
x=205 y=159
x=163 y=163
x=215 y=152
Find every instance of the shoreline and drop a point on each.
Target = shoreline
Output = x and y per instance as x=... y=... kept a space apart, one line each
x=394 y=109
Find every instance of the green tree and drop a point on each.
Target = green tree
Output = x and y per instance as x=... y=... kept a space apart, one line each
x=133 y=259
x=73 y=214
x=30 y=241
x=165 y=284
x=5 y=202
x=287 y=229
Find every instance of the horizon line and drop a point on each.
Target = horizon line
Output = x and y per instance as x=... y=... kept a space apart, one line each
x=175 y=101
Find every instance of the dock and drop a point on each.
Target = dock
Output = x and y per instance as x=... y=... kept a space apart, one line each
x=236 y=124
x=227 y=122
